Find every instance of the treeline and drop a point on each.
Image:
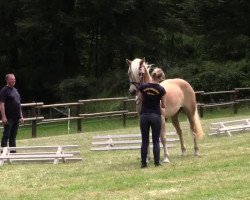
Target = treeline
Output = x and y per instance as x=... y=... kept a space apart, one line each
x=63 y=50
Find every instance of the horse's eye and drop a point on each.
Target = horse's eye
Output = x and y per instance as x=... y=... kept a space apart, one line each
x=140 y=74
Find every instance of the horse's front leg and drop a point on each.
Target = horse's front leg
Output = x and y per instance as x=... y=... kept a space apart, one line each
x=176 y=124
x=164 y=140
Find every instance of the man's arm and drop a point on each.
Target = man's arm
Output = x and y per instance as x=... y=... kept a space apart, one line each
x=21 y=114
x=4 y=119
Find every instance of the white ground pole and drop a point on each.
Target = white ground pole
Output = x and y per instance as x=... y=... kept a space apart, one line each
x=68 y=120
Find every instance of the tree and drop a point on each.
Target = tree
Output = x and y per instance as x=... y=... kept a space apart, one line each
x=9 y=37
x=223 y=24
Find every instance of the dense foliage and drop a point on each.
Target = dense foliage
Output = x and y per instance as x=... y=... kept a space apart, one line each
x=63 y=50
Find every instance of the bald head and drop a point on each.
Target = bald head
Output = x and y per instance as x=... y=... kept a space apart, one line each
x=10 y=80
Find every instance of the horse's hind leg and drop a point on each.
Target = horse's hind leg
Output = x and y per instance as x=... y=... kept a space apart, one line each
x=192 y=127
x=196 y=148
x=164 y=140
x=176 y=124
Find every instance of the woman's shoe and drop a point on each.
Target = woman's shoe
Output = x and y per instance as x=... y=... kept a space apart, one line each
x=144 y=165
x=158 y=164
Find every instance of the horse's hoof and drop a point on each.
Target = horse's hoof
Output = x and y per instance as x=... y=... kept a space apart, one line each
x=183 y=152
x=196 y=153
x=166 y=160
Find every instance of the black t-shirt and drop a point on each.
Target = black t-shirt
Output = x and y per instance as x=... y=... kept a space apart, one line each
x=151 y=93
x=12 y=102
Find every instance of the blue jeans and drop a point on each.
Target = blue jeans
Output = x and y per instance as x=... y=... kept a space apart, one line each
x=152 y=120
x=10 y=132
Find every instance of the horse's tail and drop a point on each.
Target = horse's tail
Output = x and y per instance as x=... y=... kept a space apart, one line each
x=197 y=126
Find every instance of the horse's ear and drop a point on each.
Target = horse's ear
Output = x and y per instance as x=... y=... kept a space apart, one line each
x=128 y=62
x=142 y=61
x=141 y=64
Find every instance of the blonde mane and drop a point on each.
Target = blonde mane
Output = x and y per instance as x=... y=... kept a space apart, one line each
x=139 y=65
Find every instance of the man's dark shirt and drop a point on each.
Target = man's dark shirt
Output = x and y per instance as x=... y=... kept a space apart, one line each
x=151 y=96
x=12 y=101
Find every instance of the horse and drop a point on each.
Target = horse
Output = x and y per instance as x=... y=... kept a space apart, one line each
x=179 y=96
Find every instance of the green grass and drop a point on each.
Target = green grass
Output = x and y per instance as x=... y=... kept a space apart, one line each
x=221 y=172
x=88 y=125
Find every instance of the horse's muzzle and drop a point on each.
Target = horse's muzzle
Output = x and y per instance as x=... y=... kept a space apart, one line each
x=132 y=90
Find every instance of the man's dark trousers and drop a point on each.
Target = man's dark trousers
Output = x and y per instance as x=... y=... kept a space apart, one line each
x=9 y=133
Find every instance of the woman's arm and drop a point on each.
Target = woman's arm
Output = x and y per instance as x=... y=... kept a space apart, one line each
x=138 y=102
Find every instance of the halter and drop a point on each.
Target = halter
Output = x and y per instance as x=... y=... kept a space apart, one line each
x=136 y=84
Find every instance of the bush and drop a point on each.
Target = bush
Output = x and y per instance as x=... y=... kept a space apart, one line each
x=214 y=76
x=73 y=89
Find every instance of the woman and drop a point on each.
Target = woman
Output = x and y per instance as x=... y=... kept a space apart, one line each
x=153 y=99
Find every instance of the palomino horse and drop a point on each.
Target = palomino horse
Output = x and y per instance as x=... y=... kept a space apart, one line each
x=179 y=96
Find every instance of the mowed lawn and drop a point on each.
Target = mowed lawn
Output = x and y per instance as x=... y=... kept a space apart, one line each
x=222 y=171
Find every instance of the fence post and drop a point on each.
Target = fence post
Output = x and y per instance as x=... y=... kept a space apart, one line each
x=199 y=101
x=124 y=114
x=33 y=114
x=79 y=121
x=201 y=108
x=50 y=113
x=33 y=128
x=201 y=111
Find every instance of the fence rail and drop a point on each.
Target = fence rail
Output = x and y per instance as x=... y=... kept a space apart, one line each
x=35 y=117
x=231 y=97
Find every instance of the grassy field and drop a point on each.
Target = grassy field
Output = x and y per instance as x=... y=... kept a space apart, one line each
x=220 y=172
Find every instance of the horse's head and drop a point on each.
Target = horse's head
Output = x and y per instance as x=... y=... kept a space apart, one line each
x=137 y=73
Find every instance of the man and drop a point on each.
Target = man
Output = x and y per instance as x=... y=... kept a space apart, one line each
x=11 y=112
